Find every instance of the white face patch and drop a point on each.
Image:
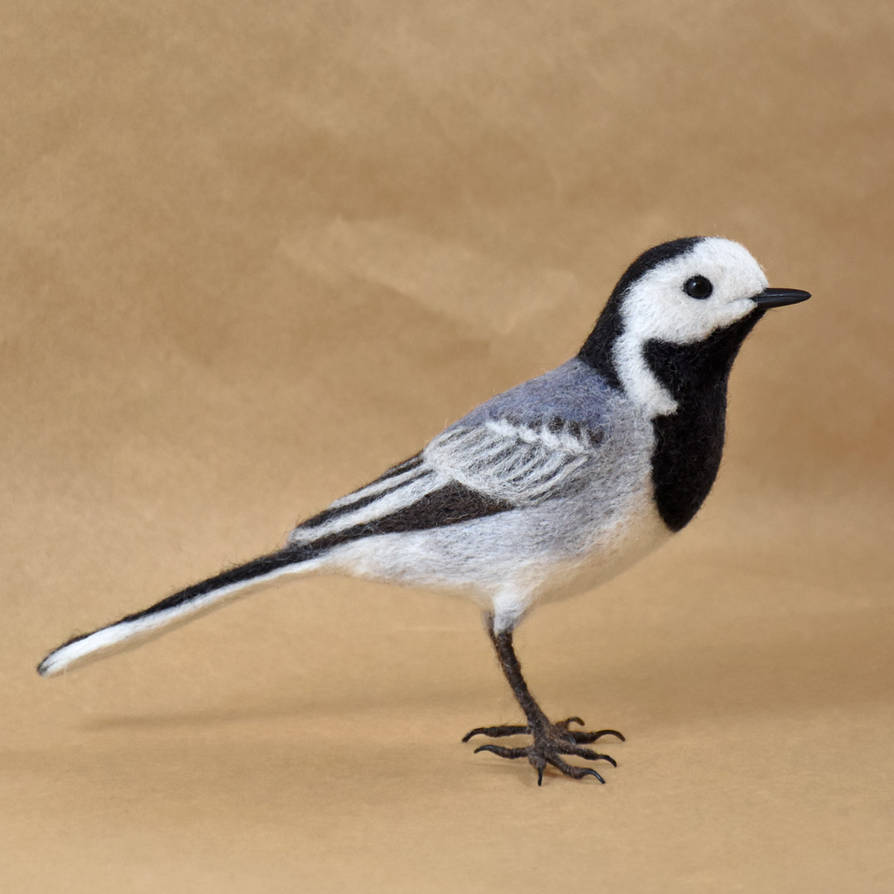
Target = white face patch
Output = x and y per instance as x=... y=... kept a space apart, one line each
x=656 y=307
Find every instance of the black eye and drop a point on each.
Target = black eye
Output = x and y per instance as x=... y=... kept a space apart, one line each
x=698 y=287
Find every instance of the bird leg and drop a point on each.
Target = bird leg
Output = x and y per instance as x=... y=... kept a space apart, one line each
x=550 y=739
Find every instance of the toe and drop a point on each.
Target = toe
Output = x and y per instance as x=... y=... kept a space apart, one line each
x=572 y=771
x=496 y=731
x=563 y=724
x=503 y=752
x=587 y=738
x=589 y=754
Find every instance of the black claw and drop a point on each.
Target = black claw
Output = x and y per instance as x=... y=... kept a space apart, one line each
x=574 y=772
x=549 y=743
x=589 y=754
x=612 y=732
x=502 y=752
x=496 y=732
x=583 y=738
x=589 y=771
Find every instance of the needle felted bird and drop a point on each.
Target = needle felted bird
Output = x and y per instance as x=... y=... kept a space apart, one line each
x=547 y=489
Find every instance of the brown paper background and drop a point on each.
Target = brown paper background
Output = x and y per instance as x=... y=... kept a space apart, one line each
x=252 y=253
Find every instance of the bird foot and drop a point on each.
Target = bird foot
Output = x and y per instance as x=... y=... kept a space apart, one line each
x=550 y=741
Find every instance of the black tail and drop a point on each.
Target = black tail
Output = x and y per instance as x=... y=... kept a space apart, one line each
x=180 y=607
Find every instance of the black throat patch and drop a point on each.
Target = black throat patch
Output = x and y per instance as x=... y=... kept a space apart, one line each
x=689 y=442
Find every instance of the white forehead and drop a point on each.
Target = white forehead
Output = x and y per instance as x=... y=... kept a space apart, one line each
x=728 y=265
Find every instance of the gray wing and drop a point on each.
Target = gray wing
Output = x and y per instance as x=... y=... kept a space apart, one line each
x=472 y=469
x=519 y=463
x=539 y=440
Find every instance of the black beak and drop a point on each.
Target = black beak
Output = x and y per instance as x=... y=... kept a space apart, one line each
x=779 y=297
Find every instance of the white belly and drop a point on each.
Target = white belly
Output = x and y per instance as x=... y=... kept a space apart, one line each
x=509 y=561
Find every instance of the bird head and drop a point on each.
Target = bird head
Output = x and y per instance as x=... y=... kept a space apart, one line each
x=689 y=302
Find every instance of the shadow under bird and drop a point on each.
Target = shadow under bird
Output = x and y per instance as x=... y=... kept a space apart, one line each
x=545 y=490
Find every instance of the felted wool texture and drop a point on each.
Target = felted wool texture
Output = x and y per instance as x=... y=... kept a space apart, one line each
x=689 y=441
x=655 y=308
x=549 y=488
x=598 y=348
x=672 y=354
x=178 y=608
x=551 y=741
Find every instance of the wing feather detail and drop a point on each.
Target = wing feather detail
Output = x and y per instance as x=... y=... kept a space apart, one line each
x=465 y=472
x=520 y=463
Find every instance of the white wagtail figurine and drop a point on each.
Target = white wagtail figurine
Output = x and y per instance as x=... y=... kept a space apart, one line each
x=548 y=489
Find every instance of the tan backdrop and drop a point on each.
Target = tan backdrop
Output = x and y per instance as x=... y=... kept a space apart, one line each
x=255 y=252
